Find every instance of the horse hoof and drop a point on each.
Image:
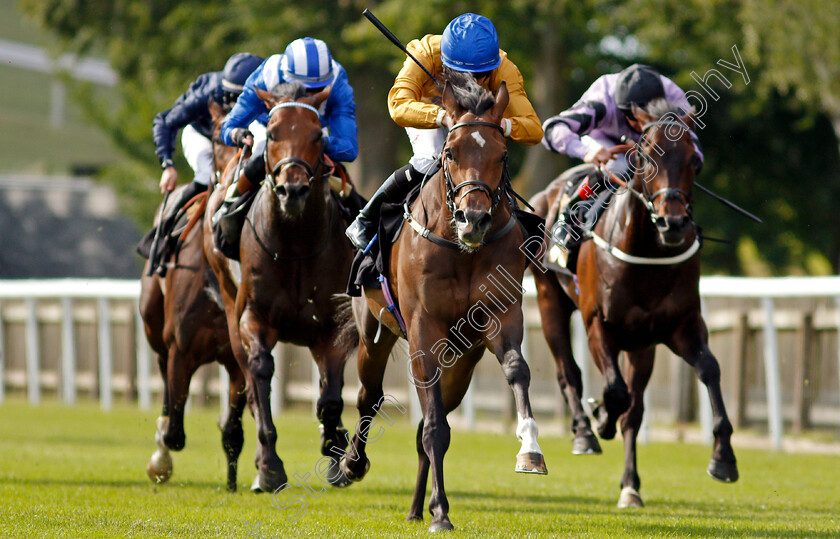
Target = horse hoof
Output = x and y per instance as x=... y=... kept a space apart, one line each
x=630 y=497
x=159 y=468
x=727 y=472
x=336 y=477
x=352 y=475
x=442 y=526
x=531 y=463
x=586 y=444
x=268 y=481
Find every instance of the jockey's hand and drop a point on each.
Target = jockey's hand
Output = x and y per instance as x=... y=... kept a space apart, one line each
x=169 y=179
x=242 y=137
x=597 y=156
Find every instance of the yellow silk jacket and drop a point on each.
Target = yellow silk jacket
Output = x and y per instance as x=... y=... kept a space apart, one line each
x=410 y=99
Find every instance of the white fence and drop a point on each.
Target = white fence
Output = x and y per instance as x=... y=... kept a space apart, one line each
x=66 y=304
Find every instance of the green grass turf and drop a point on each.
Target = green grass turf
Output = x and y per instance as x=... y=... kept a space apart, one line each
x=80 y=472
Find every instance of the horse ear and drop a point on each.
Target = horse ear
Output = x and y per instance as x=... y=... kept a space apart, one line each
x=688 y=119
x=502 y=100
x=217 y=112
x=268 y=98
x=450 y=103
x=640 y=114
x=320 y=97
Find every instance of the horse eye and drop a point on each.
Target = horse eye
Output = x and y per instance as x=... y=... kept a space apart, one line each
x=448 y=154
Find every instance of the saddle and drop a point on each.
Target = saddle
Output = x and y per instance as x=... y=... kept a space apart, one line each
x=571 y=226
x=171 y=240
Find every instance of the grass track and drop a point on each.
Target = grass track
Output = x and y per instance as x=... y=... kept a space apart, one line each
x=79 y=472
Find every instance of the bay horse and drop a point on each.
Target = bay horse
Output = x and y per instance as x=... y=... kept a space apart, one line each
x=462 y=235
x=294 y=258
x=637 y=285
x=186 y=326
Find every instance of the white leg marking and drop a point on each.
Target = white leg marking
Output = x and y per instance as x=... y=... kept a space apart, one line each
x=526 y=432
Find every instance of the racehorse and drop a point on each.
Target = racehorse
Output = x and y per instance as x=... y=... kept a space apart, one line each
x=186 y=326
x=294 y=258
x=637 y=285
x=462 y=235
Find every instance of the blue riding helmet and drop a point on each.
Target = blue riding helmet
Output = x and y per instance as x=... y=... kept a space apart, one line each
x=470 y=43
x=237 y=69
x=309 y=62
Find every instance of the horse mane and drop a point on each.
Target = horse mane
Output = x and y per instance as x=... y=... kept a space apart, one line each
x=468 y=93
x=660 y=107
x=292 y=90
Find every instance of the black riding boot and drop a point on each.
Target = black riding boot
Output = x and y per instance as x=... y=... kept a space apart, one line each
x=572 y=218
x=230 y=217
x=393 y=190
x=167 y=223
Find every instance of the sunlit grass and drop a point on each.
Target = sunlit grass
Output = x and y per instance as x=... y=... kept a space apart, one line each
x=80 y=472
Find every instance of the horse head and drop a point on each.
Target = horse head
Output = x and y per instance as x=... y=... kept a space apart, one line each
x=665 y=166
x=294 y=147
x=474 y=157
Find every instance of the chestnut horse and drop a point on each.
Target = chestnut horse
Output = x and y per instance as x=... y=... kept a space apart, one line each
x=294 y=258
x=637 y=286
x=462 y=237
x=186 y=326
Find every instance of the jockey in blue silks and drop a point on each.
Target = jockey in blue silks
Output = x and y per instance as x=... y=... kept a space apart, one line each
x=306 y=61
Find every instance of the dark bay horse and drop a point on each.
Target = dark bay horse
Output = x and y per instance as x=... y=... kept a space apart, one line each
x=460 y=240
x=186 y=326
x=294 y=260
x=637 y=286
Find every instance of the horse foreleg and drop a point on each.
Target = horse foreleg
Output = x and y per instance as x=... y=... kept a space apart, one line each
x=330 y=360
x=556 y=310
x=179 y=373
x=639 y=368
x=506 y=346
x=691 y=342
x=436 y=431
x=232 y=434
x=253 y=331
x=159 y=468
x=616 y=396
x=416 y=511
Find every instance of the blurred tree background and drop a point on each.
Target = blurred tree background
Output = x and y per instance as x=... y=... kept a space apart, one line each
x=771 y=144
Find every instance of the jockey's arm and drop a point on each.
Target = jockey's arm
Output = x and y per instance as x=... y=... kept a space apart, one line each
x=187 y=108
x=342 y=143
x=525 y=126
x=563 y=131
x=409 y=100
x=248 y=108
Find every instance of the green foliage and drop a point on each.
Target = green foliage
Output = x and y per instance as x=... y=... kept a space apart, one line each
x=771 y=145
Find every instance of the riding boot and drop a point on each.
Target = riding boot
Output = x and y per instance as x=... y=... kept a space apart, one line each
x=571 y=219
x=393 y=190
x=230 y=217
x=167 y=223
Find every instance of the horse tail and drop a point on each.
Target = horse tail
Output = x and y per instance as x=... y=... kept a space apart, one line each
x=348 y=335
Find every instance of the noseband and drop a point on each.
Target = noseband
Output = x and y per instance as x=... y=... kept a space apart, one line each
x=474 y=185
x=286 y=163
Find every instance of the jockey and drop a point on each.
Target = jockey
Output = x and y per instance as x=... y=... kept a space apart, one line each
x=468 y=44
x=603 y=115
x=307 y=61
x=191 y=113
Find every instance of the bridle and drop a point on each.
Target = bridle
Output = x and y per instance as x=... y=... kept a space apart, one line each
x=272 y=171
x=504 y=188
x=474 y=185
x=647 y=199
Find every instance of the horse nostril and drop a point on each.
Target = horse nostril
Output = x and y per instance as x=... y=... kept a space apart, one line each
x=483 y=222
x=280 y=190
x=460 y=217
